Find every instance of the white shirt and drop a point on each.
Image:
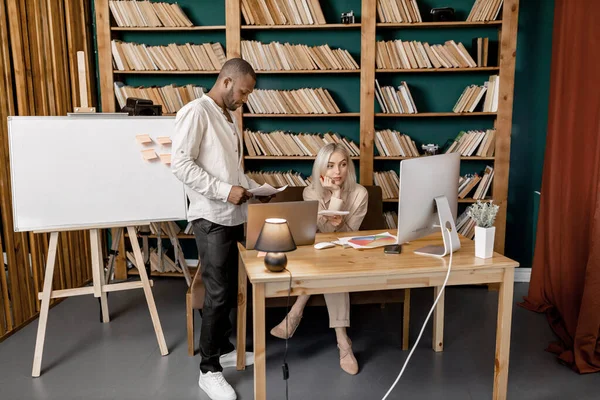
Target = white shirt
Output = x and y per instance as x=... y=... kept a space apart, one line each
x=206 y=155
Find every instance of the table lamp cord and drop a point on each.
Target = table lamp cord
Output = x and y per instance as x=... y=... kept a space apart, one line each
x=426 y=319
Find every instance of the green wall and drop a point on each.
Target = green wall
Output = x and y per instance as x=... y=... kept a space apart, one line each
x=530 y=120
x=432 y=92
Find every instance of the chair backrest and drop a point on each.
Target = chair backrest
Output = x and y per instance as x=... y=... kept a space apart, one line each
x=291 y=193
x=374 y=218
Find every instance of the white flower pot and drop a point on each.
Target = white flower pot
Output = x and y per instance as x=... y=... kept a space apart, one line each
x=484 y=241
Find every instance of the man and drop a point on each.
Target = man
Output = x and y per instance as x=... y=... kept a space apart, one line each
x=207 y=157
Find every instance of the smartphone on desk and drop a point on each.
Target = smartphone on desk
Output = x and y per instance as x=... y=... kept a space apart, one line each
x=392 y=249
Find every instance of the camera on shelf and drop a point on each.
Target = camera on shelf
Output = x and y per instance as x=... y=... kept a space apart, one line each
x=135 y=106
x=430 y=149
x=348 y=17
x=442 y=14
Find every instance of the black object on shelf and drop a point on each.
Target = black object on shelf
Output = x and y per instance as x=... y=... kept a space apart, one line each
x=136 y=106
x=442 y=14
x=348 y=17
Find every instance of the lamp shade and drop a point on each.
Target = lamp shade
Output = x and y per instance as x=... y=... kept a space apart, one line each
x=275 y=237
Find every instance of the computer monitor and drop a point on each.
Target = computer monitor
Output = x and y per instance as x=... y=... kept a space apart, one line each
x=300 y=215
x=428 y=201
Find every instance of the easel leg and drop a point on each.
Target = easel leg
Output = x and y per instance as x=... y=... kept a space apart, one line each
x=46 y=293
x=98 y=273
x=148 y=292
x=116 y=239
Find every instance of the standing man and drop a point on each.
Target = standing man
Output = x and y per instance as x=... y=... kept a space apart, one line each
x=207 y=157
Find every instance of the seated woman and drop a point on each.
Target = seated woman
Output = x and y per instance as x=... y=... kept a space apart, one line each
x=334 y=186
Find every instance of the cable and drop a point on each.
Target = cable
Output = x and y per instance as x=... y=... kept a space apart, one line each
x=426 y=320
x=286 y=371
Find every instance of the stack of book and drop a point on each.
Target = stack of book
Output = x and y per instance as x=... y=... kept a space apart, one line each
x=398 y=11
x=389 y=182
x=187 y=57
x=390 y=143
x=280 y=143
x=394 y=101
x=282 y=12
x=486 y=51
x=275 y=56
x=472 y=95
x=171 y=97
x=485 y=10
x=478 y=143
x=279 y=179
x=465 y=225
x=391 y=219
x=396 y=54
x=134 y=13
x=467 y=183
x=189 y=229
x=300 y=101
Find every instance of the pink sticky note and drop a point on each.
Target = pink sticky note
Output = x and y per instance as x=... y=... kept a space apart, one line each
x=261 y=254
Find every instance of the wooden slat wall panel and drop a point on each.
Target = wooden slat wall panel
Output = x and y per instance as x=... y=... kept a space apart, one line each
x=5 y=317
x=39 y=40
x=7 y=107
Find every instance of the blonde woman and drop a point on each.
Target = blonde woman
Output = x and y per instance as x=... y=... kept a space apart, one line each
x=334 y=186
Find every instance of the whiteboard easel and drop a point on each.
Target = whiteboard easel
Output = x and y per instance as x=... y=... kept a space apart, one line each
x=100 y=287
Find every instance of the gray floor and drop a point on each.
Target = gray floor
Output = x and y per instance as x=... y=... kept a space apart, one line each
x=84 y=359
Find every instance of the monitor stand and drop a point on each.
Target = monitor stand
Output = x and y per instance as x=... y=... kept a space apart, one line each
x=451 y=241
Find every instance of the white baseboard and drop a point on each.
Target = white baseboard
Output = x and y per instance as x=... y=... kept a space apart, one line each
x=522 y=274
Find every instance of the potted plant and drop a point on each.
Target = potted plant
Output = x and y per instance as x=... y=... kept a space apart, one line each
x=484 y=215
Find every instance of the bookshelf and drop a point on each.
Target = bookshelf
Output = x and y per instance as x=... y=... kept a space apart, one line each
x=360 y=112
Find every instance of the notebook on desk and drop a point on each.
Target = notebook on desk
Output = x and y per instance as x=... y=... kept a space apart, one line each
x=300 y=215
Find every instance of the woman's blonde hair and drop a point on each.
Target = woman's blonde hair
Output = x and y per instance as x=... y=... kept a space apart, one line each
x=320 y=168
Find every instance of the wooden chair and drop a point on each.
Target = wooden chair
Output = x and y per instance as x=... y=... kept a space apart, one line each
x=373 y=220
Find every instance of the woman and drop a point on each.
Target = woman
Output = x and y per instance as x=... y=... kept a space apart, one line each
x=334 y=186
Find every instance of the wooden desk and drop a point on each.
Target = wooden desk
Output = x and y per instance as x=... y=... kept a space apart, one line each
x=349 y=270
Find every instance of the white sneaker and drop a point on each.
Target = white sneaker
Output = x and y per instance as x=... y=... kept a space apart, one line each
x=215 y=386
x=229 y=360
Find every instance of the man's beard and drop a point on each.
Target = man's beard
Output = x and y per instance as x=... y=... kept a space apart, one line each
x=229 y=103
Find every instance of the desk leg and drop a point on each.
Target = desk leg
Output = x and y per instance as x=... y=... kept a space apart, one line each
x=241 y=316
x=46 y=293
x=505 y=300
x=406 y=320
x=438 y=321
x=260 y=370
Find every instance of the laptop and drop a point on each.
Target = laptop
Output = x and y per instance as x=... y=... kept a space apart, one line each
x=301 y=217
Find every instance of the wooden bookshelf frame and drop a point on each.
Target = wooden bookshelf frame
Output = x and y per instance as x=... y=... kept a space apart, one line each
x=507 y=34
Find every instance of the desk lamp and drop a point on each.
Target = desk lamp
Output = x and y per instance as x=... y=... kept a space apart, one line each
x=275 y=238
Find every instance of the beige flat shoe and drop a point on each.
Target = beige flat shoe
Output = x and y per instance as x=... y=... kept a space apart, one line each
x=347 y=360
x=280 y=330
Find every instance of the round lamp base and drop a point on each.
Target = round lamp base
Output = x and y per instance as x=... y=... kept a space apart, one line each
x=275 y=262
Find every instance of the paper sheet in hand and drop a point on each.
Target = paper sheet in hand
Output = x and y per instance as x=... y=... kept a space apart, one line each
x=333 y=212
x=266 y=190
x=368 y=242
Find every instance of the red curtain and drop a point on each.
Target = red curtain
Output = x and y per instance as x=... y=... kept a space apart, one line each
x=565 y=281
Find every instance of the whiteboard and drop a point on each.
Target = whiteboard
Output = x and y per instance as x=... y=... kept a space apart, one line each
x=81 y=172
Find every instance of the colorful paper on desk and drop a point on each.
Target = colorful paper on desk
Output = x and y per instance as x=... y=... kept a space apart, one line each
x=266 y=190
x=369 y=241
